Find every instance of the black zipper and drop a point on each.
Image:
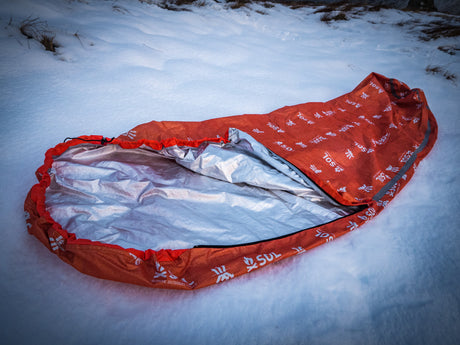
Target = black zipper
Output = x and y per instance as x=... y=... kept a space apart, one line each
x=358 y=209
x=312 y=184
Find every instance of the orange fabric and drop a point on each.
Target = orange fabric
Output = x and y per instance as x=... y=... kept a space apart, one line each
x=353 y=147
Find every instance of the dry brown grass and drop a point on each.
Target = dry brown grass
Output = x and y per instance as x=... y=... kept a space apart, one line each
x=239 y=3
x=430 y=69
x=449 y=49
x=36 y=29
x=328 y=17
x=174 y=5
x=441 y=28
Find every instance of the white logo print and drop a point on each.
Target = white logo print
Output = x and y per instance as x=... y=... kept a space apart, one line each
x=275 y=127
x=375 y=86
x=349 y=154
x=299 y=250
x=367 y=120
x=137 y=261
x=381 y=176
x=265 y=258
x=317 y=115
x=131 y=134
x=284 y=146
x=303 y=118
x=317 y=139
x=352 y=226
x=27 y=216
x=222 y=274
x=260 y=260
x=57 y=243
x=388 y=108
x=405 y=157
x=342 y=189
x=368 y=214
x=346 y=128
x=301 y=144
x=392 y=191
x=392 y=169
x=162 y=275
x=365 y=188
x=382 y=203
x=315 y=169
x=161 y=272
x=187 y=282
x=364 y=95
x=250 y=264
x=382 y=140
x=332 y=163
x=326 y=235
x=256 y=130
x=363 y=148
x=355 y=104
x=290 y=123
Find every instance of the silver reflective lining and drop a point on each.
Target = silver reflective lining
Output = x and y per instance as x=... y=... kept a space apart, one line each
x=181 y=197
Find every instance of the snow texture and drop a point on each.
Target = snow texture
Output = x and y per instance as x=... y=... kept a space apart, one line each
x=121 y=63
x=449 y=6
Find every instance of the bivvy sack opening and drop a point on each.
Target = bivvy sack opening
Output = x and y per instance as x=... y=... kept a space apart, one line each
x=189 y=204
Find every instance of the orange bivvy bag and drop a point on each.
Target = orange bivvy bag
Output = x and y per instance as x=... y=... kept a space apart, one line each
x=185 y=205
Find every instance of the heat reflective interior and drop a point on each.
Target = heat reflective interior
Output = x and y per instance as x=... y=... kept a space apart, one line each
x=181 y=197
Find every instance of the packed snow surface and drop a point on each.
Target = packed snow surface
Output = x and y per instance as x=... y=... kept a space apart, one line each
x=396 y=280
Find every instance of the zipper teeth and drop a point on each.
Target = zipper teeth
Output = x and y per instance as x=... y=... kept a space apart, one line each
x=312 y=185
x=358 y=209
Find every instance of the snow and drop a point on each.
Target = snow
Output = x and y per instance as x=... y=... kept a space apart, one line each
x=121 y=63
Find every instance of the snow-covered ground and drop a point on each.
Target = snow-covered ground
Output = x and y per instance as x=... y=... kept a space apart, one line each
x=122 y=63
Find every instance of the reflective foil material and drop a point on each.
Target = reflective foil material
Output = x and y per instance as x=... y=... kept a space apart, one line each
x=188 y=204
x=181 y=197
